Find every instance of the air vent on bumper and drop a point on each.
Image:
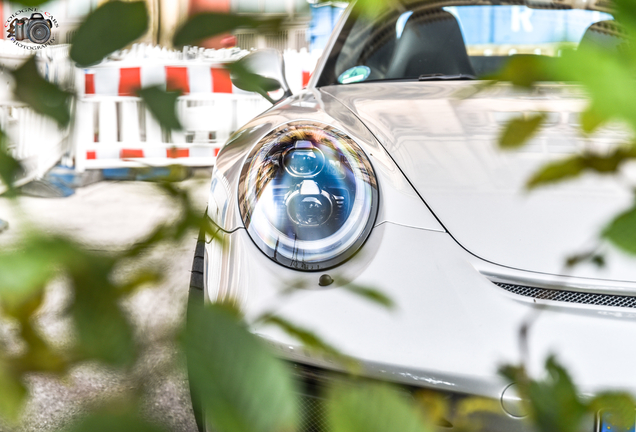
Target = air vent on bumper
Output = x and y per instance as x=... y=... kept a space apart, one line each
x=570 y=296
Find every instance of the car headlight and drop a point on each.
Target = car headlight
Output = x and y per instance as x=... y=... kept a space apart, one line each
x=308 y=195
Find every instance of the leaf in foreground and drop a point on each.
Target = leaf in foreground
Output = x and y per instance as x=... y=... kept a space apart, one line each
x=162 y=105
x=372 y=408
x=520 y=130
x=205 y=25
x=574 y=166
x=44 y=97
x=622 y=231
x=115 y=421
x=553 y=403
x=241 y=385
x=32 y=2
x=103 y=329
x=308 y=338
x=370 y=294
x=12 y=394
x=10 y=168
x=557 y=171
x=109 y=28
x=247 y=80
x=620 y=406
x=525 y=71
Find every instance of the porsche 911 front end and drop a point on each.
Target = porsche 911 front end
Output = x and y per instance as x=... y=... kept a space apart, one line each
x=385 y=173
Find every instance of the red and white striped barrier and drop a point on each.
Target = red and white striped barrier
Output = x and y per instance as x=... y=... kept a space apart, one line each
x=115 y=80
x=298 y=68
x=189 y=77
x=116 y=131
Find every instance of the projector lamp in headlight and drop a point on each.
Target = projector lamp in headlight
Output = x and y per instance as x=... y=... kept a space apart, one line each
x=308 y=196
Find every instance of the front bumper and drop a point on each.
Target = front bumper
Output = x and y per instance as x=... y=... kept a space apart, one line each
x=451 y=329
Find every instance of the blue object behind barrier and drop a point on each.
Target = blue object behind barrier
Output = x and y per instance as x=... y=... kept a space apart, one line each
x=323 y=19
x=523 y=25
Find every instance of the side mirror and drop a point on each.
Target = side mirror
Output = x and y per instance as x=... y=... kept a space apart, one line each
x=261 y=71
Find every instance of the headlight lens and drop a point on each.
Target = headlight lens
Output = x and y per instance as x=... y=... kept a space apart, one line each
x=308 y=196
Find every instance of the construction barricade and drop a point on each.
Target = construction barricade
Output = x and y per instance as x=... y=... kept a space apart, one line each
x=117 y=131
x=111 y=128
x=36 y=141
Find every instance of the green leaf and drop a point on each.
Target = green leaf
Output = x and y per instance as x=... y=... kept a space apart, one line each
x=12 y=395
x=592 y=257
x=162 y=105
x=557 y=171
x=110 y=27
x=44 y=97
x=591 y=119
x=622 y=231
x=249 y=81
x=518 y=131
x=31 y=3
x=115 y=421
x=39 y=356
x=308 y=338
x=526 y=70
x=370 y=10
x=205 y=25
x=574 y=166
x=554 y=403
x=620 y=406
x=370 y=294
x=239 y=382
x=372 y=408
x=10 y=168
x=103 y=330
x=23 y=276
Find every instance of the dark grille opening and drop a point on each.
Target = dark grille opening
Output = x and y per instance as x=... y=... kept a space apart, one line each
x=570 y=296
x=313 y=383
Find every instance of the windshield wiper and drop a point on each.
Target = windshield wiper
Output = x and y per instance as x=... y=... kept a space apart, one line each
x=443 y=77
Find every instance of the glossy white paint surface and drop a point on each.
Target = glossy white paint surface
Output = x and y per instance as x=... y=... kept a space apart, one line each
x=446 y=144
x=452 y=327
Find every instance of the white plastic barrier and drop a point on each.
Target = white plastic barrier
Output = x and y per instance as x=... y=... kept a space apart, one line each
x=111 y=129
x=116 y=131
x=35 y=141
x=299 y=66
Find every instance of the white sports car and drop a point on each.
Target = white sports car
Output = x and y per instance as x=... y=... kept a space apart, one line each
x=385 y=172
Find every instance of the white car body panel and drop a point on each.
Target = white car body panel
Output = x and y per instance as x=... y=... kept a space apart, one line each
x=452 y=327
x=453 y=219
x=447 y=147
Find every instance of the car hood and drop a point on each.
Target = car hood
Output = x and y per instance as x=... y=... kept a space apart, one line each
x=443 y=136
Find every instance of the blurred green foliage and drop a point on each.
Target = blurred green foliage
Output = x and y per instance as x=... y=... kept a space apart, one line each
x=555 y=404
x=205 y=25
x=234 y=376
x=162 y=105
x=363 y=407
x=607 y=76
x=110 y=27
x=44 y=97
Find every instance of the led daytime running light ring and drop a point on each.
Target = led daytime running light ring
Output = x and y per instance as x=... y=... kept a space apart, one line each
x=308 y=218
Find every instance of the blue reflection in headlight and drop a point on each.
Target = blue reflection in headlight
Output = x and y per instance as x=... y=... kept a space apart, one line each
x=303 y=159
x=300 y=198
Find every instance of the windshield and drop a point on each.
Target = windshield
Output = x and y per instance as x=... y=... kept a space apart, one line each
x=428 y=41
